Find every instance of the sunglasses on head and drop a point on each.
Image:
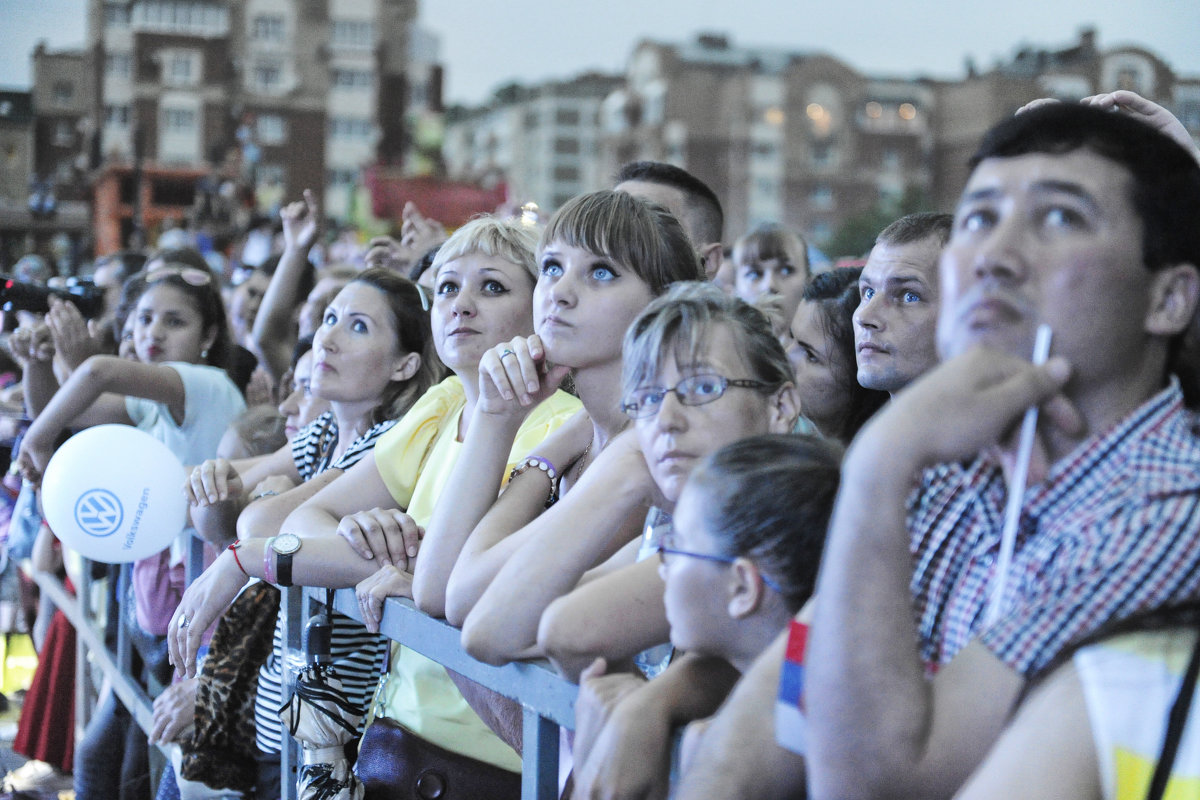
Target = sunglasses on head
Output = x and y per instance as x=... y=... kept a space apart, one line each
x=189 y=275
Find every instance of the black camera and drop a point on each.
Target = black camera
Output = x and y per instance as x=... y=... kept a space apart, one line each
x=18 y=296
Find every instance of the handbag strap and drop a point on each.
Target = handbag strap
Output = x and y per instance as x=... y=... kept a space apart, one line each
x=1176 y=722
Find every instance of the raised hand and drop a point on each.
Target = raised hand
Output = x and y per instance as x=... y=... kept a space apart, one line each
x=301 y=222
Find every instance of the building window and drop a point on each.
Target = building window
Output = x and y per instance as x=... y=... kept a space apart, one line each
x=118 y=65
x=177 y=16
x=267 y=28
x=1189 y=114
x=181 y=68
x=269 y=173
x=271 y=129
x=351 y=79
x=821 y=197
x=267 y=77
x=566 y=174
x=116 y=15
x=341 y=177
x=64 y=133
x=116 y=116
x=531 y=120
x=353 y=33
x=824 y=154
x=349 y=128
x=180 y=120
x=64 y=92
x=564 y=146
x=566 y=116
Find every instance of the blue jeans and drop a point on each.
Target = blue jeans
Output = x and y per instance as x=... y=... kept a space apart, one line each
x=111 y=760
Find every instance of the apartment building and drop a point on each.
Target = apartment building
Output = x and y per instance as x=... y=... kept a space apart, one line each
x=542 y=140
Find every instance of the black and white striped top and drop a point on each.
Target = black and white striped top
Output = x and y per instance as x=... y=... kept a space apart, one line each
x=358 y=656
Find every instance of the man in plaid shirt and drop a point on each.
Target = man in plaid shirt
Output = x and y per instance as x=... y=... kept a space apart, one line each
x=1086 y=221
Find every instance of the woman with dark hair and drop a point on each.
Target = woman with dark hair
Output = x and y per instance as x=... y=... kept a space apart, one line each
x=820 y=345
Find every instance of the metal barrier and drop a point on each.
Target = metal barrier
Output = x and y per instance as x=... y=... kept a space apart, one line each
x=547 y=699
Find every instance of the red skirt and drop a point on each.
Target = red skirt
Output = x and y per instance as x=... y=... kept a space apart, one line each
x=47 y=727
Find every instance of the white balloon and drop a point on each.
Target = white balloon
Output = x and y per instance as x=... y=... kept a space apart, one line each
x=114 y=494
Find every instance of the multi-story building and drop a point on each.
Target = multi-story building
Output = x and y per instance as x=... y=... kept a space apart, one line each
x=967 y=108
x=780 y=136
x=802 y=138
x=285 y=95
x=542 y=140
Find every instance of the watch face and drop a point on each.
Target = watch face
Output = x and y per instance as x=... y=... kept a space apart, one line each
x=286 y=543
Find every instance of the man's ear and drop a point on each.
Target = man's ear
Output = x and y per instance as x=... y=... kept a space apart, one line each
x=1174 y=293
x=784 y=409
x=406 y=367
x=746 y=589
x=710 y=259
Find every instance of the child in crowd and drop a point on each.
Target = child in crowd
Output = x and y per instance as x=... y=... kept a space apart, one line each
x=178 y=392
x=740 y=561
x=771 y=260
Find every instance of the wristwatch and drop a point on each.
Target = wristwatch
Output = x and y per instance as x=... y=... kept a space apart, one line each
x=284 y=545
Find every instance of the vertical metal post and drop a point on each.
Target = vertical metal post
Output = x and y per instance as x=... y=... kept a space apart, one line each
x=292 y=605
x=124 y=645
x=539 y=759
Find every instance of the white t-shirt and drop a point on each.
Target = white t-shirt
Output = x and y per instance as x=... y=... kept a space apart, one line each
x=211 y=402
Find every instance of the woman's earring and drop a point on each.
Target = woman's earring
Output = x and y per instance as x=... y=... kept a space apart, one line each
x=204 y=353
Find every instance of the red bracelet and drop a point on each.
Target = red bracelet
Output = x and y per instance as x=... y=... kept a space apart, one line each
x=233 y=548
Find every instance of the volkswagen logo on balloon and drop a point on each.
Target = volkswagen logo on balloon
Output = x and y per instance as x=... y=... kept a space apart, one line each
x=98 y=512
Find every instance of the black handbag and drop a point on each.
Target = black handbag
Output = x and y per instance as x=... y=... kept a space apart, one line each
x=396 y=764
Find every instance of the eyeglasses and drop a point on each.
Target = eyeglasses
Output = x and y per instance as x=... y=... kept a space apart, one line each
x=665 y=549
x=189 y=275
x=694 y=390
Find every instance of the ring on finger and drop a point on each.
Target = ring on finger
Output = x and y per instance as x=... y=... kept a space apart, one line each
x=506 y=353
x=184 y=622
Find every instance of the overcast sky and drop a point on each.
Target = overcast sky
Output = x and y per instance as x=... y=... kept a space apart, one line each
x=485 y=43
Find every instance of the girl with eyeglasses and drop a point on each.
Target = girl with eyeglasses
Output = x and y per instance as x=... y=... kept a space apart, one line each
x=177 y=391
x=739 y=563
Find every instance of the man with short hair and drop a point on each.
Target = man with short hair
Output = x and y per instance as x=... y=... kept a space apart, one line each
x=895 y=323
x=690 y=199
x=1083 y=220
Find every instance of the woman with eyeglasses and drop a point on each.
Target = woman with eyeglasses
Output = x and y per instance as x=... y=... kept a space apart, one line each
x=177 y=391
x=701 y=369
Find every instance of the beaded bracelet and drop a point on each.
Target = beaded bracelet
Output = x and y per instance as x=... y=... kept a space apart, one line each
x=545 y=466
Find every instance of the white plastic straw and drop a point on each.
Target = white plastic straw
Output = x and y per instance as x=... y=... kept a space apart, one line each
x=1016 y=488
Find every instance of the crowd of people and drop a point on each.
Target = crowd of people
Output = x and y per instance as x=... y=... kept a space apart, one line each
x=778 y=510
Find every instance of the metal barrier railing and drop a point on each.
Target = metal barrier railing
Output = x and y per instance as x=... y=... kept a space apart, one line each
x=548 y=700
